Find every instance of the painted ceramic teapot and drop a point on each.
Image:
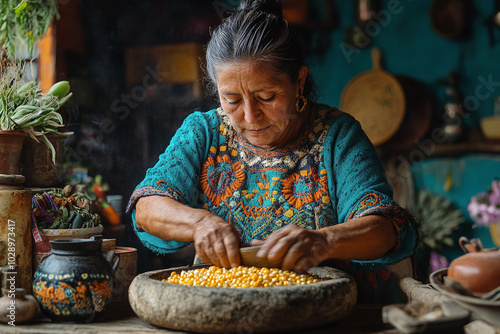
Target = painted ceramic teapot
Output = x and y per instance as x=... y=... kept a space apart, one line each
x=478 y=270
x=75 y=282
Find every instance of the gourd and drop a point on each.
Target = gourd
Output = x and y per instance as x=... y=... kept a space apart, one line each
x=478 y=270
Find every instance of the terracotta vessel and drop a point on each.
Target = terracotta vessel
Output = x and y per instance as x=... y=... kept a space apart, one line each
x=125 y=272
x=75 y=282
x=478 y=270
x=37 y=165
x=16 y=307
x=11 y=144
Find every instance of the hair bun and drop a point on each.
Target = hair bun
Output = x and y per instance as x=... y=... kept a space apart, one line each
x=273 y=7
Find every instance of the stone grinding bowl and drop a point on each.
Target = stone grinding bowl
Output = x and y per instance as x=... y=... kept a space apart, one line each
x=249 y=310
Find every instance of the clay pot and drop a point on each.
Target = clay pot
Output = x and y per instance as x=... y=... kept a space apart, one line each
x=42 y=249
x=36 y=160
x=479 y=270
x=125 y=272
x=11 y=144
x=75 y=282
x=16 y=307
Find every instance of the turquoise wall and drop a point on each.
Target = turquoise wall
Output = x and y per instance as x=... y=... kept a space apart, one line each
x=471 y=174
x=410 y=47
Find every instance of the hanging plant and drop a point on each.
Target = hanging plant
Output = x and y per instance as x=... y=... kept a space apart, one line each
x=22 y=23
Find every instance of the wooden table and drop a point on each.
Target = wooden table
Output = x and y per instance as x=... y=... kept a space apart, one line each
x=120 y=318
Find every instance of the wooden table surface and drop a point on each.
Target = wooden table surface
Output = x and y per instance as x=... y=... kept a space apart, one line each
x=120 y=318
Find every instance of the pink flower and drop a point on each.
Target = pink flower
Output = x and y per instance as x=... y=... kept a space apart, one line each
x=484 y=208
x=437 y=261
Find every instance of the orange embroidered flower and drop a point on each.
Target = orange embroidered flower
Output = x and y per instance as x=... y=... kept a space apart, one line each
x=371 y=200
x=305 y=187
x=219 y=178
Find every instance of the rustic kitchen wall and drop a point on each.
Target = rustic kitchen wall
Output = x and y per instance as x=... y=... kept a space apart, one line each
x=403 y=31
x=410 y=46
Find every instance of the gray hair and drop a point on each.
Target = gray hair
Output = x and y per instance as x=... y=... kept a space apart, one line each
x=256 y=31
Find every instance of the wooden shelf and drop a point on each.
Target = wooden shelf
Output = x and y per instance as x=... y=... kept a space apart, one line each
x=466 y=148
x=475 y=142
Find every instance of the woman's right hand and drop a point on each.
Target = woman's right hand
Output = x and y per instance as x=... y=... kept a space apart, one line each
x=217 y=242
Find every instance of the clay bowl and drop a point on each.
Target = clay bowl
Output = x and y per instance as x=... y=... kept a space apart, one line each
x=487 y=310
x=438 y=281
x=250 y=310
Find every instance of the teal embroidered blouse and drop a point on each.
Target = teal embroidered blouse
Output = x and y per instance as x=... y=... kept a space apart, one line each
x=328 y=175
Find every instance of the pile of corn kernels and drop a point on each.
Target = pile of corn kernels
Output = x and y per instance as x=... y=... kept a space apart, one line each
x=240 y=277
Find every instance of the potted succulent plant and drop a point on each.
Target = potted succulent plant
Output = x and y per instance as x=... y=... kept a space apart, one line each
x=22 y=24
x=62 y=213
x=26 y=111
x=438 y=219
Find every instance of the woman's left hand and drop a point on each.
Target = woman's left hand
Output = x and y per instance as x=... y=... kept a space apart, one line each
x=295 y=248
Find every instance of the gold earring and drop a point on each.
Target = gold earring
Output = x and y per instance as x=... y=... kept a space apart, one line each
x=300 y=100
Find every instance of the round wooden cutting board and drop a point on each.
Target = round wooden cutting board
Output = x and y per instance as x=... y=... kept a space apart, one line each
x=377 y=100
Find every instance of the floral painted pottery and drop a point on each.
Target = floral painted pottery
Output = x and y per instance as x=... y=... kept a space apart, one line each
x=479 y=270
x=75 y=282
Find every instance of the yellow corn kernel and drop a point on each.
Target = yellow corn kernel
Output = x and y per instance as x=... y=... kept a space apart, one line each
x=240 y=277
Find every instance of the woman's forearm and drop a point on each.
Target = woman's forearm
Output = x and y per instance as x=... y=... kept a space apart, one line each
x=215 y=240
x=167 y=219
x=364 y=239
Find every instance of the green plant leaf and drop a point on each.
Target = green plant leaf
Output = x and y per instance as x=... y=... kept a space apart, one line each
x=24 y=23
x=19 y=8
x=438 y=218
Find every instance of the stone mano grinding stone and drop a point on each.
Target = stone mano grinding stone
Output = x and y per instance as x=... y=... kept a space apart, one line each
x=249 y=258
x=249 y=310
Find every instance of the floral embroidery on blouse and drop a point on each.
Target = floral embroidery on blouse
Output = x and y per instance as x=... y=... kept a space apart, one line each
x=260 y=191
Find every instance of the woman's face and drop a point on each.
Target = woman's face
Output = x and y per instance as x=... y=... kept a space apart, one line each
x=260 y=103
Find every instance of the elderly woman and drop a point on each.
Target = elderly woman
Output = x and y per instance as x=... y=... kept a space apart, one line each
x=270 y=167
